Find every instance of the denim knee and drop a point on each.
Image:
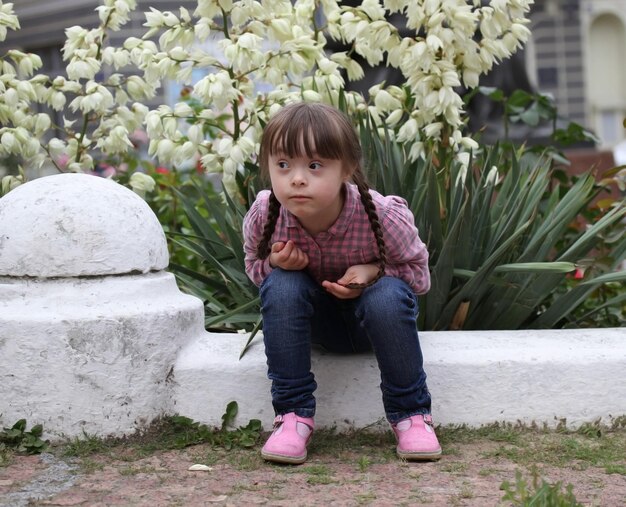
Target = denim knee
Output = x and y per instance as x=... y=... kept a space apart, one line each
x=387 y=297
x=285 y=287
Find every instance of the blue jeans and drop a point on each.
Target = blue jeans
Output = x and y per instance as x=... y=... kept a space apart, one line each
x=298 y=312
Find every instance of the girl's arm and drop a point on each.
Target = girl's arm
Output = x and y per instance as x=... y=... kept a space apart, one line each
x=407 y=256
x=253 y=223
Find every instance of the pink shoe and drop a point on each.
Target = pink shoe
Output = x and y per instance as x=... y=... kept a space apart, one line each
x=287 y=444
x=416 y=438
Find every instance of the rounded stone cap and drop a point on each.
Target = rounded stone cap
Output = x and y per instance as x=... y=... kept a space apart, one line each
x=70 y=225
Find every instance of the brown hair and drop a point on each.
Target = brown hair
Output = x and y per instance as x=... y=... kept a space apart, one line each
x=322 y=129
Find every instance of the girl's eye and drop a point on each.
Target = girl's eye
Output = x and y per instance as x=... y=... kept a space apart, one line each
x=315 y=165
x=283 y=165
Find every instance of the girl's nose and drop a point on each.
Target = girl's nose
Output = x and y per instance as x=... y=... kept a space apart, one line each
x=298 y=179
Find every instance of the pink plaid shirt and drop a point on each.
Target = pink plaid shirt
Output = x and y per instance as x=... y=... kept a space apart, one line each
x=349 y=240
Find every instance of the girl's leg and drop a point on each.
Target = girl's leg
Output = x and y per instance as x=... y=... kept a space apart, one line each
x=386 y=313
x=290 y=302
x=287 y=310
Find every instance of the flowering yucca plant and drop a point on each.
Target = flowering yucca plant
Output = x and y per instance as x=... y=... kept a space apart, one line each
x=254 y=57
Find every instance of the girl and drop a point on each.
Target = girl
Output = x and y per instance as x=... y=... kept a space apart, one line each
x=338 y=265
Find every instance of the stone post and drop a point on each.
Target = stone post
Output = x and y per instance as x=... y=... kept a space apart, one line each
x=90 y=323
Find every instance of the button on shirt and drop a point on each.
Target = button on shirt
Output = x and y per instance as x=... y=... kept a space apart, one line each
x=349 y=241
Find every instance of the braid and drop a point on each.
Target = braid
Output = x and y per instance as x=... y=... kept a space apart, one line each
x=372 y=215
x=263 y=248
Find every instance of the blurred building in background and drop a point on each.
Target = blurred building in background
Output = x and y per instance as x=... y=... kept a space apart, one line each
x=577 y=54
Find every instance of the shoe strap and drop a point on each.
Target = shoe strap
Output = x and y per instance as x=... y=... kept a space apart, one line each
x=280 y=419
x=428 y=419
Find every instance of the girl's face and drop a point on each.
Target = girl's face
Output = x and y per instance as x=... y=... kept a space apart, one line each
x=309 y=187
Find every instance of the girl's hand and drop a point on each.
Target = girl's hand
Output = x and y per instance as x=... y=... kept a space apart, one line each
x=288 y=256
x=360 y=273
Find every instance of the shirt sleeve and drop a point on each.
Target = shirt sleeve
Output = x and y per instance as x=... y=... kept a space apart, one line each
x=407 y=256
x=253 y=224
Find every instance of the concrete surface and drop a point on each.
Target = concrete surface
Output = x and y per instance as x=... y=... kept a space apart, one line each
x=90 y=324
x=69 y=225
x=93 y=354
x=475 y=378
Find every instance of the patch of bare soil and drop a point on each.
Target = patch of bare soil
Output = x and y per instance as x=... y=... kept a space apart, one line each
x=341 y=471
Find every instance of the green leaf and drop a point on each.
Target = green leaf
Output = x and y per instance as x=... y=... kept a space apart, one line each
x=619 y=276
x=536 y=267
x=492 y=92
x=253 y=333
x=228 y=418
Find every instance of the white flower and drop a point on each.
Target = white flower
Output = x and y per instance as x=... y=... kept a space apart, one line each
x=394 y=117
x=492 y=177
x=417 y=151
x=211 y=163
x=462 y=174
x=56 y=147
x=9 y=142
x=195 y=133
x=520 y=31
x=217 y=89
x=408 y=131
x=184 y=152
x=165 y=150
x=83 y=69
x=433 y=130
x=183 y=110
x=385 y=102
x=154 y=125
x=42 y=123
x=279 y=29
x=396 y=5
x=373 y=9
x=223 y=146
x=116 y=140
x=10 y=182
x=142 y=183
x=311 y=96
x=31 y=148
x=245 y=54
x=469 y=143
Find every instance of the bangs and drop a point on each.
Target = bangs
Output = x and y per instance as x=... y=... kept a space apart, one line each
x=310 y=129
x=309 y=132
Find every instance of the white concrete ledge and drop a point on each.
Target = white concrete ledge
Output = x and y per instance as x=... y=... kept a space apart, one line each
x=475 y=378
x=92 y=354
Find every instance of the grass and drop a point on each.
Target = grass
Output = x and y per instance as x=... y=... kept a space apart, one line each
x=132 y=470
x=472 y=458
x=363 y=463
x=318 y=474
x=615 y=469
x=454 y=467
x=365 y=498
x=573 y=449
x=590 y=445
x=5 y=455
x=530 y=448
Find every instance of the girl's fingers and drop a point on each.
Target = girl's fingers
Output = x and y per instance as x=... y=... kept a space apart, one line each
x=287 y=249
x=300 y=259
x=278 y=246
x=288 y=256
x=340 y=291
